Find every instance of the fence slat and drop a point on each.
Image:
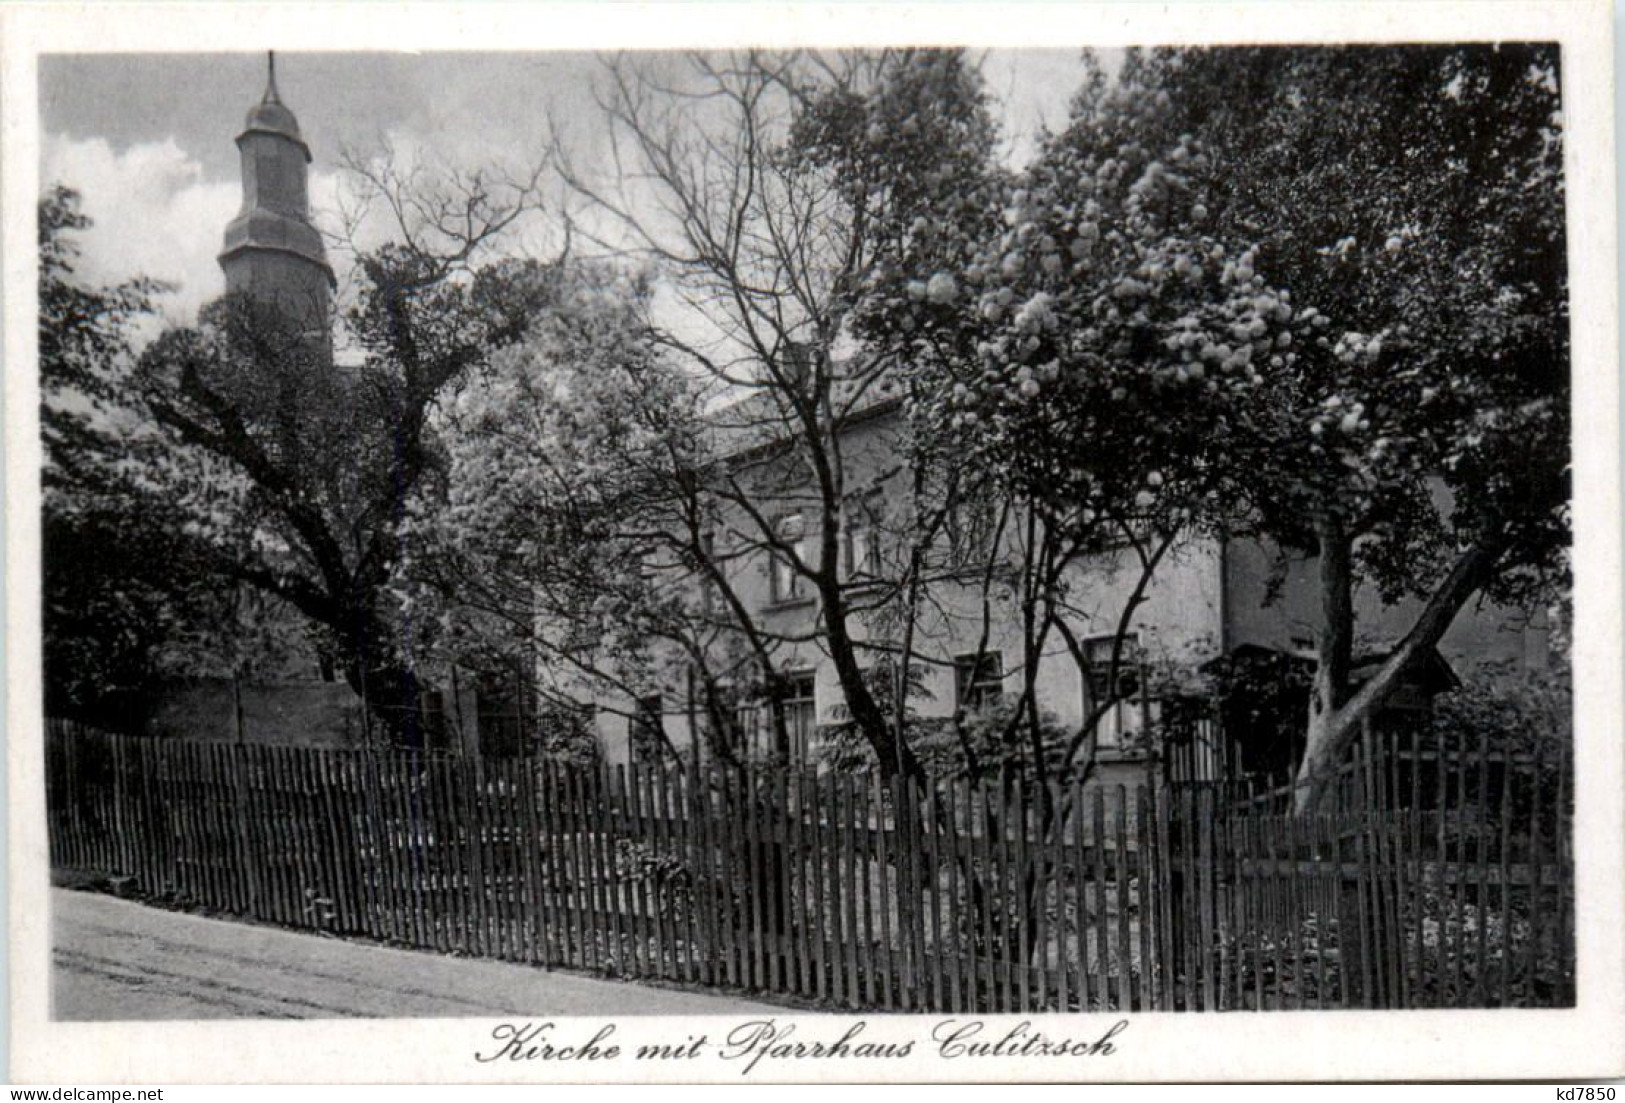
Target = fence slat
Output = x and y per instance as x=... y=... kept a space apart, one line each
x=1416 y=889
x=674 y=942
x=1459 y=901
x=788 y=894
x=261 y=808
x=707 y=873
x=1537 y=860
x=1131 y=998
x=721 y=812
x=1394 y=840
x=523 y=907
x=604 y=815
x=151 y=821
x=392 y=838
x=216 y=870
x=753 y=869
x=1017 y=830
x=370 y=828
x=258 y=811
x=829 y=843
x=1173 y=926
x=1563 y=870
x=1300 y=909
x=454 y=844
x=932 y=956
x=798 y=925
x=362 y=830
x=1109 y=993
x=887 y=962
x=1207 y=898
x=917 y=878
x=385 y=769
x=450 y=797
x=301 y=886
x=566 y=838
x=120 y=814
x=607 y=934
x=961 y=933
x=1279 y=920
x=632 y=894
x=567 y=877
x=699 y=942
x=664 y=917
x=306 y=891
x=197 y=799
x=1142 y=900
x=855 y=954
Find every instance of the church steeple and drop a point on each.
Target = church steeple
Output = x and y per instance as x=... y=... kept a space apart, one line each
x=272 y=253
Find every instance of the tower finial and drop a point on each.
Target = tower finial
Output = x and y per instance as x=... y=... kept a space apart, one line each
x=270 y=84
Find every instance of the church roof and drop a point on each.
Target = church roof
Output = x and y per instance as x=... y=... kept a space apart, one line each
x=860 y=391
x=271 y=115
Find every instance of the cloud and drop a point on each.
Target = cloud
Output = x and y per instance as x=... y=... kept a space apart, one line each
x=153 y=214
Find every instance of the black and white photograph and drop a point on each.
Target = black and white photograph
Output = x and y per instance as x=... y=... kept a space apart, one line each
x=817 y=560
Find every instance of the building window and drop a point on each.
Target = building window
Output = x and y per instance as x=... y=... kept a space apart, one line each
x=749 y=723
x=710 y=600
x=978 y=681
x=971 y=528
x=858 y=524
x=644 y=563
x=800 y=703
x=1127 y=714
x=801 y=714
x=787 y=582
x=643 y=729
x=795 y=363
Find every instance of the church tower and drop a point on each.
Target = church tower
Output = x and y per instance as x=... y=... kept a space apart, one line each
x=272 y=253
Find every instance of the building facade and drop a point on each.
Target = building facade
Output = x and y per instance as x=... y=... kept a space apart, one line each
x=1209 y=598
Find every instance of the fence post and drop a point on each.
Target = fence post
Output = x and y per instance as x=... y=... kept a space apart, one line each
x=1563 y=865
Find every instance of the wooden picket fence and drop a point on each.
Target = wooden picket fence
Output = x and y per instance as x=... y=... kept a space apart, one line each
x=838 y=888
x=1429 y=876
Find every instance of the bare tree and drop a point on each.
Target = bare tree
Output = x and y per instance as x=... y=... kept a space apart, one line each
x=706 y=179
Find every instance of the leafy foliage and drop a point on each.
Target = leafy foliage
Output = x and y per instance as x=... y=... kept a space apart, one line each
x=1312 y=294
x=565 y=536
x=125 y=602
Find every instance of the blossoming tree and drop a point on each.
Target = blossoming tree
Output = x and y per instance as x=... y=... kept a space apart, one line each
x=1315 y=295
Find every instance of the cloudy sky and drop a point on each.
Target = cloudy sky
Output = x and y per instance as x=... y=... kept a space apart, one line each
x=148 y=139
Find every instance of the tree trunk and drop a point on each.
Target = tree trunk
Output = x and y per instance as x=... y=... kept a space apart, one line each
x=1334 y=649
x=1335 y=715
x=392 y=694
x=891 y=748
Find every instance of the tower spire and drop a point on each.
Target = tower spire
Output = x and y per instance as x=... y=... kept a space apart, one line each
x=272 y=251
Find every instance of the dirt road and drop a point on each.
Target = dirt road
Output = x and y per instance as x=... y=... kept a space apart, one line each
x=114 y=959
